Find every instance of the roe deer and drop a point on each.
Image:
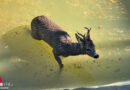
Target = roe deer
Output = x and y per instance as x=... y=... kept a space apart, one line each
x=44 y=29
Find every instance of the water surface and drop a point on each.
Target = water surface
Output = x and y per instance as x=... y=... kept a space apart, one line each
x=29 y=63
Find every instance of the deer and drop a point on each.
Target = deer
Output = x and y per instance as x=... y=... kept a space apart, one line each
x=42 y=28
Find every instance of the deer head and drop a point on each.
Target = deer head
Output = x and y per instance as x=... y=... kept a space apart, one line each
x=86 y=43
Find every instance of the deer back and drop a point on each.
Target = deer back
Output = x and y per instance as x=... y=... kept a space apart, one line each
x=45 y=29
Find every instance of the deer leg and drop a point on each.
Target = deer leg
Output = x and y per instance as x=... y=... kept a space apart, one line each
x=58 y=60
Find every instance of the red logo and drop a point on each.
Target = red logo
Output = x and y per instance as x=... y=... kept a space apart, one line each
x=1 y=83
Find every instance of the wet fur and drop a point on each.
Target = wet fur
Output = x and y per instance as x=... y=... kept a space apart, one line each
x=62 y=44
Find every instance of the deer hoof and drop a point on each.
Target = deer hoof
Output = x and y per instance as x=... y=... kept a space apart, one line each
x=61 y=66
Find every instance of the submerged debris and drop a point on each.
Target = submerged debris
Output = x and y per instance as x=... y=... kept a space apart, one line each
x=16 y=32
x=77 y=66
x=100 y=27
x=117 y=70
x=51 y=69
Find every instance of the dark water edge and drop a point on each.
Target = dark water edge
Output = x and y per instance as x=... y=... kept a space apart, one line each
x=125 y=87
x=114 y=86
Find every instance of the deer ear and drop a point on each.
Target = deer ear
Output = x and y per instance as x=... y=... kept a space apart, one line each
x=79 y=39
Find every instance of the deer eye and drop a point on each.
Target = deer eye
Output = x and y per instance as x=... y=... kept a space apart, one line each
x=88 y=49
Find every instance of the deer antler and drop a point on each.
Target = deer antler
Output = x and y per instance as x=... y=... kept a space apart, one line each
x=81 y=35
x=87 y=28
x=88 y=33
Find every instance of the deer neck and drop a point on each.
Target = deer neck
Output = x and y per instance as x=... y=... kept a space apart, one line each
x=77 y=49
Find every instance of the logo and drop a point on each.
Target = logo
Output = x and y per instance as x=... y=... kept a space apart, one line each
x=1 y=83
x=4 y=85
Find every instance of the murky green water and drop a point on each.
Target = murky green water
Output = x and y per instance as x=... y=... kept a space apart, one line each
x=29 y=63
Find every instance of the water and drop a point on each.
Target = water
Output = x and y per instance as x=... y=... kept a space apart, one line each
x=29 y=63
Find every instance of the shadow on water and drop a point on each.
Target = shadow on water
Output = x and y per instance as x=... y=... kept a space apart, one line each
x=19 y=43
x=26 y=59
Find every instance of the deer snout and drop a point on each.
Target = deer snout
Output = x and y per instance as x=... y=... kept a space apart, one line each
x=96 y=55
